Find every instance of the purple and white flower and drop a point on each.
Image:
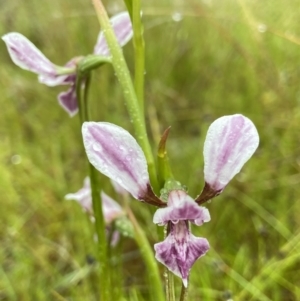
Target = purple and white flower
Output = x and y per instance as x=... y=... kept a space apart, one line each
x=230 y=142
x=111 y=209
x=25 y=55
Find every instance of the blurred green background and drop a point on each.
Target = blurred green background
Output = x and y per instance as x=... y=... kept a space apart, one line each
x=204 y=59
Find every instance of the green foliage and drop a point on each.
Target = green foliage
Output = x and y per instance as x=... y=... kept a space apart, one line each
x=223 y=57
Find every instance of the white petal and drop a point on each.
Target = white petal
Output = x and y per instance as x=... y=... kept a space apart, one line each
x=25 y=55
x=116 y=154
x=230 y=142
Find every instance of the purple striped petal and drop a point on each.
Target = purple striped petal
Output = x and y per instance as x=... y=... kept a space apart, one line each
x=116 y=154
x=230 y=142
x=179 y=251
x=25 y=55
x=181 y=207
x=68 y=101
x=122 y=27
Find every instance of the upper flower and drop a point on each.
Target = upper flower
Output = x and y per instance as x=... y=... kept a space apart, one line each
x=230 y=142
x=25 y=55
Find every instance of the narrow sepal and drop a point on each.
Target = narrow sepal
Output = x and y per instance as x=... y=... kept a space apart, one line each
x=163 y=164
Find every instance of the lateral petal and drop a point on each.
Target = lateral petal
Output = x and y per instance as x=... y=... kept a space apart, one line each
x=25 y=55
x=229 y=144
x=116 y=154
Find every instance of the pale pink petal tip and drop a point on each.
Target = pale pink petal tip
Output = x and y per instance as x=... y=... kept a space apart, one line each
x=25 y=55
x=230 y=142
x=116 y=154
x=122 y=27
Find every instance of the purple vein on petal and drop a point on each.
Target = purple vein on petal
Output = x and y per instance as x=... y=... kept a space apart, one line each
x=179 y=251
x=230 y=142
x=25 y=55
x=115 y=153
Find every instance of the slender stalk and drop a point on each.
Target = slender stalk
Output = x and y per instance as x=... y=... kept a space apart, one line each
x=139 y=46
x=81 y=108
x=97 y=202
x=85 y=97
x=184 y=293
x=100 y=230
x=170 y=291
x=147 y=253
x=131 y=100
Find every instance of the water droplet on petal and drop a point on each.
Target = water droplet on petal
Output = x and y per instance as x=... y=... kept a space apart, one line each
x=97 y=147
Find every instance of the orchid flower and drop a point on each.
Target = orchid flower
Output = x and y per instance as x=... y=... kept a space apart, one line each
x=111 y=209
x=25 y=55
x=230 y=142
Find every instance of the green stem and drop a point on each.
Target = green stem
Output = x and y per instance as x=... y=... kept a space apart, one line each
x=139 y=46
x=81 y=107
x=100 y=230
x=170 y=291
x=97 y=202
x=184 y=293
x=85 y=97
x=131 y=100
x=147 y=253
